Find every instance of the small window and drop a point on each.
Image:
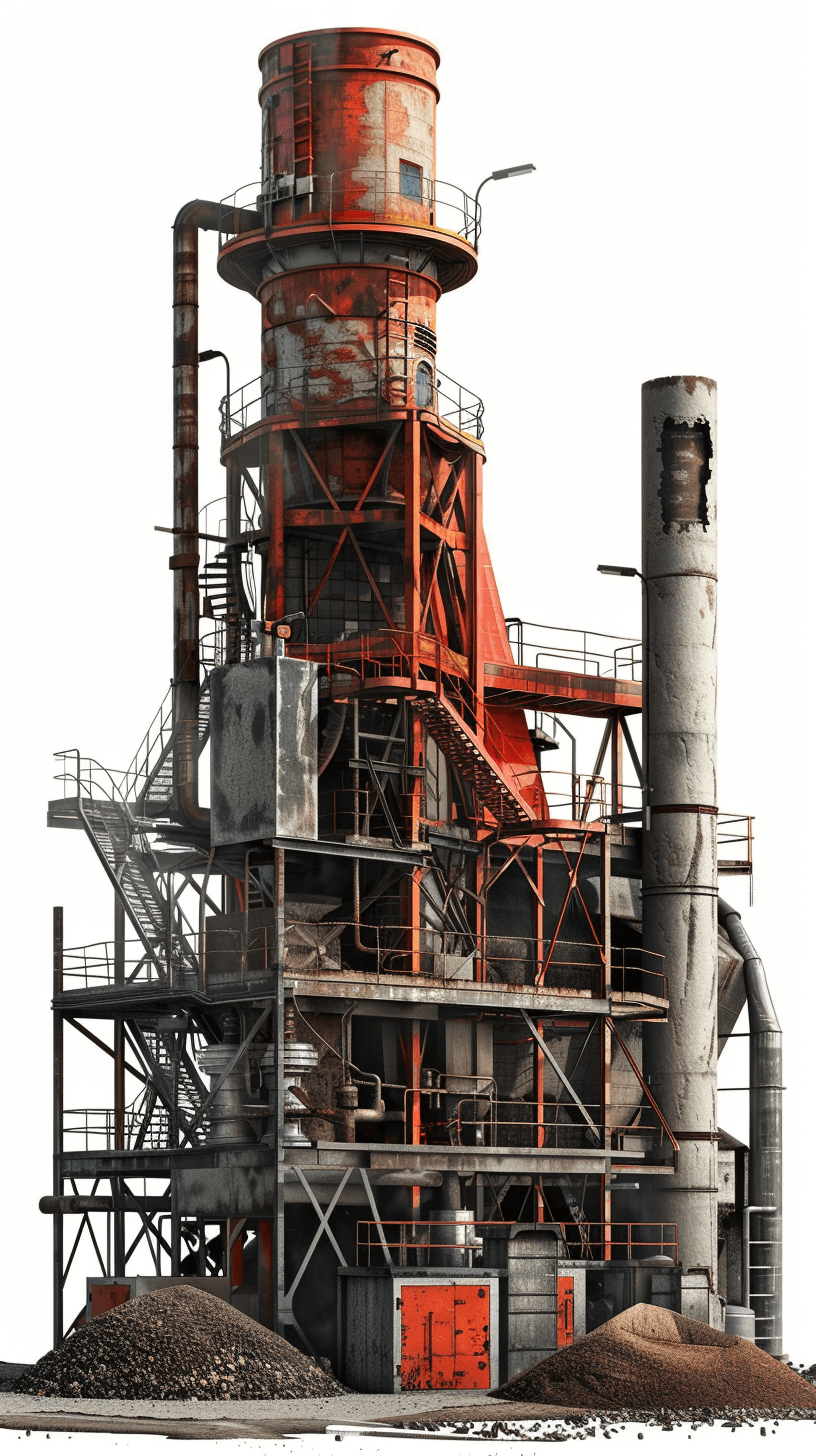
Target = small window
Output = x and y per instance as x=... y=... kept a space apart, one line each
x=410 y=180
x=424 y=387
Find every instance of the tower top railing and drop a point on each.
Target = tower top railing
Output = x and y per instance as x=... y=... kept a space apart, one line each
x=358 y=196
x=303 y=390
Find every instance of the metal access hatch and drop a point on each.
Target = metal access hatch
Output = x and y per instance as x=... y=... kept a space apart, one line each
x=444 y=1336
x=419 y=1329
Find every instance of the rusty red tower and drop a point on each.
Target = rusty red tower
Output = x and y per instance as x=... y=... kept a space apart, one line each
x=371 y=456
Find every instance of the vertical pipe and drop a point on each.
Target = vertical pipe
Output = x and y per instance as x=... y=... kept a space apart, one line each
x=763 y=1271
x=616 y=797
x=277 y=1274
x=605 y=1042
x=57 y=1125
x=233 y=557
x=118 y=1082
x=538 y=1080
x=175 y=1228
x=268 y=1310
x=274 y=605
x=679 y=502
x=185 y=506
x=414 y=1104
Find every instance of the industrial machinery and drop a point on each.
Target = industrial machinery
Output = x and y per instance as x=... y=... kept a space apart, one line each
x=407 y=1034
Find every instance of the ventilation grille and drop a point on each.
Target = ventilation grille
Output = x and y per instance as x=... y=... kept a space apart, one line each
x=425 y=338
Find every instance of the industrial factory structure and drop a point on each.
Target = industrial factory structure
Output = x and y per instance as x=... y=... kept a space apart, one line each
x=412 y=1044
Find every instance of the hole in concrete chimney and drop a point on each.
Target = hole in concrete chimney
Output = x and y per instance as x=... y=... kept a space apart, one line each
x=685 y=451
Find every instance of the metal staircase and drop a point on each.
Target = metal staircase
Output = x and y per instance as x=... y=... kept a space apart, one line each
x=472 y=759
x=109 y=809
x=225 y=600
x=125 y=854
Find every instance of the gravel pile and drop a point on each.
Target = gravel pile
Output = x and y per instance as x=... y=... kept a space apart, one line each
x=177 y=1343
x=650 y=1359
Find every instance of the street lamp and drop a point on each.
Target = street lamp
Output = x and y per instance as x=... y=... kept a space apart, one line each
x=619 y=571
x=204 y=358
x=499 y=176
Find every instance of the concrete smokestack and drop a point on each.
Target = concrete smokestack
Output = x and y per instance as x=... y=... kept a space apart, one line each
x=679 y=484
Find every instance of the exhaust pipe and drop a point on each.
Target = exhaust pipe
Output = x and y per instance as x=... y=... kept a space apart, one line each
x=765 y=1138
x=206 y=216
x=679 y=416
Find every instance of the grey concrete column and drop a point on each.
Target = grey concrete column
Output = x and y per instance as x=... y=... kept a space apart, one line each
x=679 y=484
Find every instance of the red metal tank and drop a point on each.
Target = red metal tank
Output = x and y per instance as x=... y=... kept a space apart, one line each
x=344 y=336
x=349 y=126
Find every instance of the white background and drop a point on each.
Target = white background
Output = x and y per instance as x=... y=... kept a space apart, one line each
x=667 y=230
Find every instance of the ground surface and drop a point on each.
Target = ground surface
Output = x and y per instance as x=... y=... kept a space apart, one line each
x=202 y=1420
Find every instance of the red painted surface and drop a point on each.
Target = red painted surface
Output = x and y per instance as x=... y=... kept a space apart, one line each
x=445 y=1337
x=108 y=1296
x=566 y=1311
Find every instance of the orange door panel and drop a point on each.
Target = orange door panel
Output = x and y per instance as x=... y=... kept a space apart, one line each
x=566 y=1311
x=107 y=1296
x=445 y=1337
x=472 y=1336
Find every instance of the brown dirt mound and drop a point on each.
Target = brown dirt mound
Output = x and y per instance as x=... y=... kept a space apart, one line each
x=652 y=1359
x=177 y=1343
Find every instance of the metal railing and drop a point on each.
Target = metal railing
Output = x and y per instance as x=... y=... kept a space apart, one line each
x=93 y=1129
x=315 y=948
x=734 y=830
x=422 y=1242
x=357 y=196
x=573 y=649
x=480 y=1121
x=152 y=750
x=89 y=967
x=304 y=390
x=585 y=797
x=621 y=1240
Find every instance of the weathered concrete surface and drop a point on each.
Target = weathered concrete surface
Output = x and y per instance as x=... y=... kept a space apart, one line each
x=680 y=849
x=225 y=1420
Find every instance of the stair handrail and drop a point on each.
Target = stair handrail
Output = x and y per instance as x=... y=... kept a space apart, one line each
x=63 y=754
x=87 y=782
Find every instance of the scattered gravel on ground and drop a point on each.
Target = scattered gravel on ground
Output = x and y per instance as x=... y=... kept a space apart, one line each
x=11 y=1371
x=650 y=1359
x=177 y=1343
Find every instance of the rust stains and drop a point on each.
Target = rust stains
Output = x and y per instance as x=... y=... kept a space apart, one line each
x=688 y=381
x=685 y=451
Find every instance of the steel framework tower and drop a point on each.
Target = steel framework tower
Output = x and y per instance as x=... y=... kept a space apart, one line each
x=376 y=1012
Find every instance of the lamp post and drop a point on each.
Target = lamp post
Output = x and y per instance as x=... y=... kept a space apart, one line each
x=499 y=176
x=204 y=358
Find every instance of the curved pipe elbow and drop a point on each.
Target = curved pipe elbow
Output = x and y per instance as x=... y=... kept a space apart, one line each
x=200 y=214
x=196 y=816
x=761 y=1011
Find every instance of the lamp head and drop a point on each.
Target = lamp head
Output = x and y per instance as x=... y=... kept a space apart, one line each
x=512 y=171
x=618 y=570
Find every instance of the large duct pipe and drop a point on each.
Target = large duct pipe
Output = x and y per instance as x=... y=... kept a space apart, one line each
x=765 y=1137
x=207 y=216
x=679 y=504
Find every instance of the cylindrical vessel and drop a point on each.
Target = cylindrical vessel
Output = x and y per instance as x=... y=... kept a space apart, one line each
x=227 y=1122
x=338 y=336
x=679 y=505
x=765 y=1184
x=740 y=1321
x=349 y=126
